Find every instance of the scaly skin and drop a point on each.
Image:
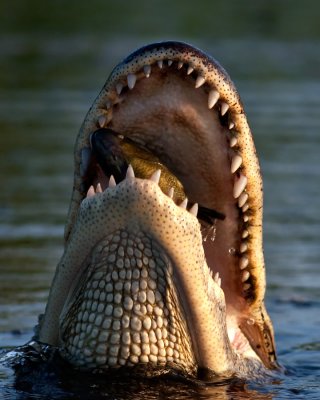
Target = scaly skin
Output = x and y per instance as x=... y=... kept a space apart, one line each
x=230 y=330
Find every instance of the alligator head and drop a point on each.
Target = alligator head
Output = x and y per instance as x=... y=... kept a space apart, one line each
x=142 y=282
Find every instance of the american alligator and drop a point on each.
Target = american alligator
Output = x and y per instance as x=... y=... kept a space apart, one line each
x=143 y=282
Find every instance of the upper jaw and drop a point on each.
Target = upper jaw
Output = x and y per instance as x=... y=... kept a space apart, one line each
x=218 y=101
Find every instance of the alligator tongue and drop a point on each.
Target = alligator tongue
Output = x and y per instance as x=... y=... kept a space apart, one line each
x=114 y=160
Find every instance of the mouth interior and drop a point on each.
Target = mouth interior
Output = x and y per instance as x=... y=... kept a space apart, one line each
x=168 y=116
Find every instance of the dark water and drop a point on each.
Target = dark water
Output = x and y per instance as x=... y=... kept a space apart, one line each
x=47 y=85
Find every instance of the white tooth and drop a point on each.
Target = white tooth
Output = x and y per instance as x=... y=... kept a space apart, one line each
x=180 y=64
x=245 y=276
x=239 y=186
x=91 y=191
x=98 y=189
x=199 y=81
x=246 y=218
x=131 y=79
x=108 y=104
x=236 y=163
x=244 y=262
x=242 y=199
x=171 y=192
x=147 y=70
x=243 y=247
x=85 y=160
x=102 y=120
x=224 y=107
x=231 y=125
x=246 y=286
x=155 y=177
x=170 y=63
x=190 y=70
x=119 y=87
x=184 y=203
x=245 y=234
x=194 y=209
x=217 y=278
x=160 y=64
x=213 y=98
x=233 y=141
x=130 y=172
x=112 y=182
x=245 y=207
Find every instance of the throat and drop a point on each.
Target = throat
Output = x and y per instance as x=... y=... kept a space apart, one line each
x=125 y=309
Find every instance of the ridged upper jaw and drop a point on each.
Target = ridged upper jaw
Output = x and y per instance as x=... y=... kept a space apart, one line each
x=240 y=240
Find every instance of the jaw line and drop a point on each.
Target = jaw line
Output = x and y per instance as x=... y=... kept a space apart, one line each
x=201 y=297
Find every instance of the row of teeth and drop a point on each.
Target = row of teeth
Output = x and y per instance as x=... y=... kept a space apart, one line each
x=240 y=182
x=155 y=177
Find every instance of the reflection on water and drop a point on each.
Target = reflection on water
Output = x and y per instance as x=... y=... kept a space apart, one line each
x=39 y=120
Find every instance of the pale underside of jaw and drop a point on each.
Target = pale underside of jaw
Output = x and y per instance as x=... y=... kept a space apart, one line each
x=208 y=346
x=90 y=333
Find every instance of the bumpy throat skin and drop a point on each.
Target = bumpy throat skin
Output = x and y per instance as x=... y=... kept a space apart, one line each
x=144 y=280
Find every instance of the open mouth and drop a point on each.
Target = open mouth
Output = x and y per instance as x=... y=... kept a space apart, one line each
x=170 y=115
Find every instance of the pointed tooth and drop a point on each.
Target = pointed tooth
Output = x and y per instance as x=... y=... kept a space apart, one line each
x=98 y=188
x=245 y=276
x=184 y=203
x=246 y=286
x=112 y=182
x=180 y=64
x=245 y=218
x=231 y=125
x=171 y=192
x=245 y=234
x=224 y=107
x=244 y=262
x=217 y=278
x=245 y=207
x=147 y=70
x=243 y=247
x=236 y=163
x=108 y=104
x=85 y=160
x=242 y=199
x=199 y=81
x=91 y=192
x=119 y=87
x=131 y=79
x=213 y=98
x=130 y=172
x=155 y=177
x=160 y=64
x=239 y=186
x=102 y=120
x=190 y=70
x=194 y=209
x=233 y=141
x=170 y=63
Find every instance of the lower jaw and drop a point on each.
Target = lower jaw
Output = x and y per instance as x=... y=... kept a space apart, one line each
x=126 y=311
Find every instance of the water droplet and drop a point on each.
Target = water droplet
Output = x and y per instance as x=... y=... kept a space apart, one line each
x=250 y=321
x=232 y=251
